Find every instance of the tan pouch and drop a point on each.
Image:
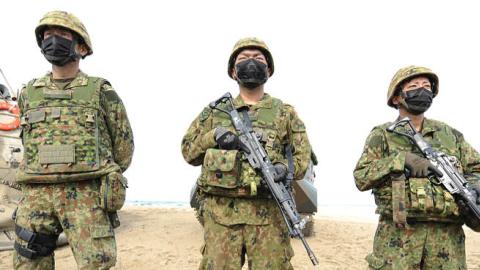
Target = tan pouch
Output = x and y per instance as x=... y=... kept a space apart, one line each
x=421 y=194
x=375 y=262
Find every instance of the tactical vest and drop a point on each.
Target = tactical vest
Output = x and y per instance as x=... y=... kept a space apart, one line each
x=61 y=133
x=418 y=198
x=227 y=172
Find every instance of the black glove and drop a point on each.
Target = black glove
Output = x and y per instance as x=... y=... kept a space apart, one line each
x=226 y=139
x=470 y=220
x=475 y=190
x=279 y=172
x=419 y=167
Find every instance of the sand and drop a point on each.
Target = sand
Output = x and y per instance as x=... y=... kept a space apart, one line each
x=162 y=238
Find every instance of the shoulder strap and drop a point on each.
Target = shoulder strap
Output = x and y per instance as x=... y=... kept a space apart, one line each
x=95 y=84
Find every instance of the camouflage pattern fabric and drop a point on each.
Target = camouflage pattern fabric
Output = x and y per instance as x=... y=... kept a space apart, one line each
x=382 y=161
x=235 y=207
x=74 y=209
x=246 y=43
x=65 y=20
x=227 y=243
x=423 y=245
x=276 y=132
x=60 y=128
x=384 y=157
x=408 y=73
x=60 y=201
x=54 y=120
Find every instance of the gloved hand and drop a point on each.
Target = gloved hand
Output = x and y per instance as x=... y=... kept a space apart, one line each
x=470 y=220
x=279 y=172
x=475 y=190
x=226 y=139
x=419 y=167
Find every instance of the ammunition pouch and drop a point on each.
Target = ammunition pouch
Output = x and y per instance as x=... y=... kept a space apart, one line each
x=428 y=199
x=113 y=189
x=38 y=244
x=416 y=199
x=225 y=173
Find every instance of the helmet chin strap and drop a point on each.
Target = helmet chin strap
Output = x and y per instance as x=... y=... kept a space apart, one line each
x=402 y=101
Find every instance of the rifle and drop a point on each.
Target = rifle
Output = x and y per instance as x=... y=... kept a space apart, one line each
x=258 y=159
x=448 y=176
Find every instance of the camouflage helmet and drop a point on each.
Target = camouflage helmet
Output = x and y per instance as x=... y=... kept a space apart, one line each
x=65 y=20
x=407 y=73
x=249 y=43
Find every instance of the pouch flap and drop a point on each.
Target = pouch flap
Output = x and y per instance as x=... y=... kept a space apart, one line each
x=218 y=159
x=56 y=113
x=419 y=185
x=36 y=116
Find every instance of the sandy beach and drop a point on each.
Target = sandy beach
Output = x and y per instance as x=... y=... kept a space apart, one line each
x=165 y=238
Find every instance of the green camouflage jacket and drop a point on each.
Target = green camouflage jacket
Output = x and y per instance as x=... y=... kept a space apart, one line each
x=277 y=124
x=114 y=132
x=383 y=158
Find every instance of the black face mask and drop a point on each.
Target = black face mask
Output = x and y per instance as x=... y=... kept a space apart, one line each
x=251 y=73
x=418 y=101
x=58 y=50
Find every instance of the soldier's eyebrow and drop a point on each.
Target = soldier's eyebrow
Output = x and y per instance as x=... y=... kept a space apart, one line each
x=245 y=54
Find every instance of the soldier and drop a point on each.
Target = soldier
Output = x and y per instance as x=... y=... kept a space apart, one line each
x=77 y=142
x=420 y=224
x=240 y=216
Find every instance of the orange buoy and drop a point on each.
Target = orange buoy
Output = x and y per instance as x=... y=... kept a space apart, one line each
x=13 y=109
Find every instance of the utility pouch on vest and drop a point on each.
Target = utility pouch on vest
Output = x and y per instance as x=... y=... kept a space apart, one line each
x=221 y=169
x=421 y=196
x=430 y=200
x=113 y=191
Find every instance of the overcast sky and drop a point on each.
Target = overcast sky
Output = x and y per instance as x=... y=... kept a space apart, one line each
x=333 y=63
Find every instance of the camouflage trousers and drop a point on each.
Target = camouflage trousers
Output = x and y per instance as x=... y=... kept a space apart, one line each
x=74 y=209
x=423 y=245
x=266 y=246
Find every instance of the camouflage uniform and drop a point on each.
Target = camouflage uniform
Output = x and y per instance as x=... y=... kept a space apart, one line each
x=77 y=142
x=420 y=226
x=240 y=216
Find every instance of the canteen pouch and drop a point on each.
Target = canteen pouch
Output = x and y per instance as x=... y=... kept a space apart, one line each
x=113 y=189
x=220 y=169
